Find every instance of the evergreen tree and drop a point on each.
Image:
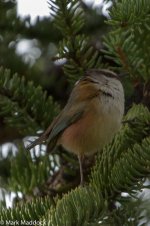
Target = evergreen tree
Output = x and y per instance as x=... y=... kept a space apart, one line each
x=49 y=184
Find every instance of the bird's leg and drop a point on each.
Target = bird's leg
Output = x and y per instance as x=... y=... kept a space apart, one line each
x=80 y=158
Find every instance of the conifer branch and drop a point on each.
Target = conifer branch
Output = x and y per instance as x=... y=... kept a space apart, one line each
x=75 y=47
x=126 y=43
x=24 y=106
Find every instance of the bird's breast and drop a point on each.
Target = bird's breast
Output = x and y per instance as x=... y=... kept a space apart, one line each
x=94 y=129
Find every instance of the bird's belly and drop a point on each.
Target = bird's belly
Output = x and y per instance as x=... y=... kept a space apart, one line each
x=89 y=134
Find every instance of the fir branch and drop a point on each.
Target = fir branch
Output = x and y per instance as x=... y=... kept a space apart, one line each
x=130 y=14
x=29 y=212
x=133 y=165
x=75 y=47
x=23 y=105
x=68 y=16
x=83 y=206
x=128 y=41
x=30 y=172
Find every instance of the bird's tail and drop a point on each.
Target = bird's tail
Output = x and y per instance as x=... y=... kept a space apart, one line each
x=43 y=137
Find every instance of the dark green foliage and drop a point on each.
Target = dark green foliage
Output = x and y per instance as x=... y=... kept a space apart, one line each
x=127 y=43
x=68 y=16
x=83 y=206
x=23 y=105
x=29 y=171
x=75 y=47
x=27 y=212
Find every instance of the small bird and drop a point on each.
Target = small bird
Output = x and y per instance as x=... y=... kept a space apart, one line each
x=91 y=117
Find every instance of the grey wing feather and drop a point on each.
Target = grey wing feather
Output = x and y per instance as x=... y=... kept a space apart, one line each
x=63 y=124
x=57 y=126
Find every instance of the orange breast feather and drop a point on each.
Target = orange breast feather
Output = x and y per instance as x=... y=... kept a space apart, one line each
x=82 y=136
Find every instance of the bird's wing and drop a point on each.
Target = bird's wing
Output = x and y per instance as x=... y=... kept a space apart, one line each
x=64 y=122
x=71 y=113
x=60 y=123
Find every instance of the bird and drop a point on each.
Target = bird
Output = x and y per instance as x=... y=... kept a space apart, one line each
x=90 y=118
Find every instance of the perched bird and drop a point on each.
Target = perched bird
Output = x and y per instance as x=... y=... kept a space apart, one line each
x=91 y=117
